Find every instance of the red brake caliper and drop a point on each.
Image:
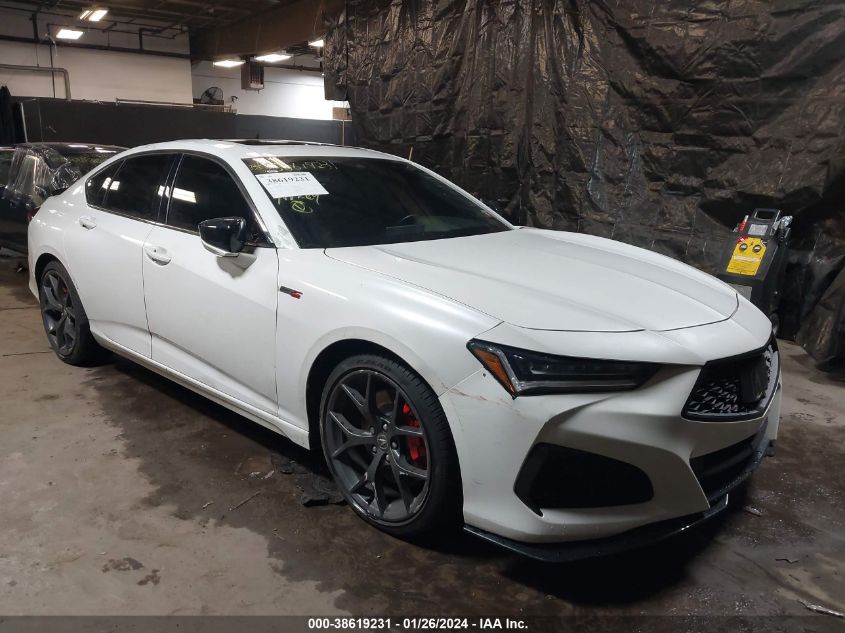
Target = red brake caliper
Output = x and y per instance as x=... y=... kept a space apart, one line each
x=416 y=445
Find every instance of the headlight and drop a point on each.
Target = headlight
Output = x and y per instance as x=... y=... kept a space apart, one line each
x=522 y=372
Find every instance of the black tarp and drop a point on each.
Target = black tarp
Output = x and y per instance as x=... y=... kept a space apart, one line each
x=7 y=120
x=659 y=124
x=823 y=332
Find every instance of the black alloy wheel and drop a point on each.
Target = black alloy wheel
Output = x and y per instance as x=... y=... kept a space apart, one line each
x=59 y=313
x=389 y=448
x=64 y=317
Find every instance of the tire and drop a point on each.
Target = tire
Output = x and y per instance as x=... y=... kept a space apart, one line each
x=375 y=410
x=64 y=318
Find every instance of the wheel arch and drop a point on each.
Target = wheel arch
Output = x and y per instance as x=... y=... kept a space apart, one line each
x=41 y=264
x=335 y=352
x=48 y=254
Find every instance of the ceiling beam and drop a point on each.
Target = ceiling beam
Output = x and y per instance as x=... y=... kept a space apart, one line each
x=265 y=31
x=118 y=10
x=208 y=6
x=68 y=13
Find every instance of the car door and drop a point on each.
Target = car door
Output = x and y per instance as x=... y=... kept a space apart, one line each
x=212 y=318
x=105 y=245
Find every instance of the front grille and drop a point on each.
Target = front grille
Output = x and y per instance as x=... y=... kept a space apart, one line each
x=736 y=388
x=721 y=470
x=559 y=477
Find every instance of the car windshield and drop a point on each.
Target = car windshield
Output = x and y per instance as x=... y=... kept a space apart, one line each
x=344 y=201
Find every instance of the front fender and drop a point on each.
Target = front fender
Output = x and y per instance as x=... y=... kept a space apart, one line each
x=341 y=302
x=419 y=363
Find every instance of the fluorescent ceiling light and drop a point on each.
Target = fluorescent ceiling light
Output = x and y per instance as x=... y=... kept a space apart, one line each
x=272 y=58
x=229 y=63
x=317 y=43
x=93 y=15
x=69 y=34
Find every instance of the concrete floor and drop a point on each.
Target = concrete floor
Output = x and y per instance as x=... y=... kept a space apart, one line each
x=116 y=488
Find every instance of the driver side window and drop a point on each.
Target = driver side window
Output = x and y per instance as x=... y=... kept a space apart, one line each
x=204 y=190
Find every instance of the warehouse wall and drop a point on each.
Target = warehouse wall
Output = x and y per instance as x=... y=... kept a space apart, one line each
x=94 y=74
x=287 y=93
x=108 y=75
x=97 y=75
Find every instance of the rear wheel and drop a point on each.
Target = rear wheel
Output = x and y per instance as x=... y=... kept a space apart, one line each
x=388 y=445
x=65 y=321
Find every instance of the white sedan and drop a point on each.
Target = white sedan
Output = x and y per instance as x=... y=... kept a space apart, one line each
x=557 y=393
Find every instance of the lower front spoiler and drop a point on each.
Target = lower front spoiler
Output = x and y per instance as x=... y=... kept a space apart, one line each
x=626 y=541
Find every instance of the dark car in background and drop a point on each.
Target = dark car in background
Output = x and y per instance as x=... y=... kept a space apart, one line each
x=32 y=172
x=6 y=154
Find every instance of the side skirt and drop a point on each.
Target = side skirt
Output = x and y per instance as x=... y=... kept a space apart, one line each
x=274 y=423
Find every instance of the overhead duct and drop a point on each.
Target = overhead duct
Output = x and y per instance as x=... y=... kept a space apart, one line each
x=42 y=69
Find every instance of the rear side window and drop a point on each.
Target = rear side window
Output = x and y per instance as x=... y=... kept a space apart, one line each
x=204 y=190
x=136 y=188
x=99 y=183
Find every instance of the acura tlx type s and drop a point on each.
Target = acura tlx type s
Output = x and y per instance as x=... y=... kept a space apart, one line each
x=557 y=393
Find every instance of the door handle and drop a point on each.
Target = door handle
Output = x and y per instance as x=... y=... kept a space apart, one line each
x=87 y=222
x=157 y=254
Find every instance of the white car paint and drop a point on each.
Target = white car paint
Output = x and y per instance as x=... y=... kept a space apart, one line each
x=221 y=327
x=228 y=300
x=107 y=248
x=531 y=266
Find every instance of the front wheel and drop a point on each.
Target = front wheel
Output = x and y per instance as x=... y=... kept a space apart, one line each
x=389 y=447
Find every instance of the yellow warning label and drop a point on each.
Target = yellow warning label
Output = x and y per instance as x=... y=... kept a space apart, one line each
x=747 y=256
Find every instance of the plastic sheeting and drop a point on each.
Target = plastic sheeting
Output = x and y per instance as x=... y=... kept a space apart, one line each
x=39 y=171
x=30 y=177
x=7 y=119
x=823 y=332
x=658 y=124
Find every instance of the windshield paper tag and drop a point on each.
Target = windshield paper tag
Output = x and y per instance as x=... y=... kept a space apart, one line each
x=291 y=184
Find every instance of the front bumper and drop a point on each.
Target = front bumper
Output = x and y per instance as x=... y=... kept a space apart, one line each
x=632 y=539
x=495 y=433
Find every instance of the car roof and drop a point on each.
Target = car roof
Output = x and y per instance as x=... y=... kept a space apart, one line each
x=71 y=148
x=249 y=148
x=263 y=141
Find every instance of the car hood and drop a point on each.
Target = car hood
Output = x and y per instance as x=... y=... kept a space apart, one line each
x=552 y=280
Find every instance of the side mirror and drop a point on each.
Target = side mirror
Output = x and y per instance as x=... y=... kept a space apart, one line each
x=225 y=237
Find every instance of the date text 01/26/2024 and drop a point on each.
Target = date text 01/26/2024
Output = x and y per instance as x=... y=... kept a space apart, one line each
x=416 y=624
